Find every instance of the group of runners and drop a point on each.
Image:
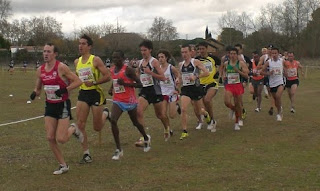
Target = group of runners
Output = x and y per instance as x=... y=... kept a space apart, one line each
x=195 y=81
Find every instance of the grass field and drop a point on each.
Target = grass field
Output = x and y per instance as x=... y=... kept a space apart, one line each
x=264 y=155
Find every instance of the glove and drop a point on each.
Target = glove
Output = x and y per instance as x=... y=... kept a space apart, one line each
x=33 y=95
x=59 y=92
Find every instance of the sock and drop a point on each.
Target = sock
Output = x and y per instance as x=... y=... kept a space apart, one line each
x=86 y=152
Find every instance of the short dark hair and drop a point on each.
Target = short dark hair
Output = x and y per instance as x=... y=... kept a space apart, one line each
x=120 y=52
x=166 y=53
x=228 y=48
x=234 y=49
x=55 y=48
x=203 y=43
x=238 y=45
x=186 y=46
x=290 y=52
x=146 y=43
x=89 y=40
x=274 y=48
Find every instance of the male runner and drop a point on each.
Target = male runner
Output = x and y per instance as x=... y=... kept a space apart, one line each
x=123 y=87
x=209 y=84
x=58 y=81
x=292 y=68
x=191 y=90
x=276 y=83
x=231 y=72
x=89 y=69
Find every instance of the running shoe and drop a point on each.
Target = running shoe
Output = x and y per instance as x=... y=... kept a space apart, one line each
x=270 y=111
x=77 y=133
x=236 y=127
x=167 y=134
x=279 y=117
x=207 y=117
x=292 y=110
x=232 y=115
x=199 y=126
x=62 y=169
x=240 y=122
x=86 y=159
x=147 y=144
x=117 y=154
x=139 y=142
x=244 y=113
x=257 y=110
x=212 y=126
x=107 y=113
x=184 y=135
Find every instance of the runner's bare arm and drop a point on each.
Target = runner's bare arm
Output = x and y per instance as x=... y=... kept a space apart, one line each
x=244 y=70
x=98 y=63
x=159 y=75
x=131 y=73
x=204 y=70
x=65 y=71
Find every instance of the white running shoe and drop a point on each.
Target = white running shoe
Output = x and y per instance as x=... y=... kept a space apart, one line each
x=117 y=154
x=279 y=118
x=236 y=127
x=240 y=122
x=77 y=133
x=199 y=126
x=147 y=144
x=257 y=109
x=61 y=170
x=292 y=110
x=212 y=126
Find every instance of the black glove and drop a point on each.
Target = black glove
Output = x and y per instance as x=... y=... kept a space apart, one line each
x=59 y=92
x=33 y=95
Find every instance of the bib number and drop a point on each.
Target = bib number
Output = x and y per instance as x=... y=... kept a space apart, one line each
x=233 y=78
x=277 y=71
x=118 y=88
x=186 y=79
x=146 y=80
x=85 y=74
x=50 y=92
x=292 y=72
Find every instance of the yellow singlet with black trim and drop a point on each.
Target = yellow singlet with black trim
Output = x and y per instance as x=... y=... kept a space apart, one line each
x=210 y=65
x=87 y=72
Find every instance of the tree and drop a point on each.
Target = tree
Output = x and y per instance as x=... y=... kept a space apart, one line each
x=162 y=30
x=231 y=36
x=5 y=9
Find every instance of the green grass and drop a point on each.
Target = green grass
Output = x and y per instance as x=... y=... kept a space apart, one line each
x=264 y=155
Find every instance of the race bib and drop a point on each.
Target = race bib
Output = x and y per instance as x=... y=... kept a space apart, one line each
x=208 y=66
x=146 y=80
x=50 y=89
x=257 y=72
x=277 y=71
x=167 y=81
x=292 y=72
x=117 y=88
x=186 y=79
x=85 y=74
x=233 y=78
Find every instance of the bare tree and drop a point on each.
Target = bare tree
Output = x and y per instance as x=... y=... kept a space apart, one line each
x=5 y=9
x=162 y=30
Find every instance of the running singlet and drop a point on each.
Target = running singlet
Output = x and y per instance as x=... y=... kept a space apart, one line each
x=87 y=72
x=149 y=83
x=292 y=69
x=168 y=86
x=276 y=67
x=210 y=65
x=52 y=82
x=122 y=93
x=187 y=72
x=258 y=76
x=232 y=77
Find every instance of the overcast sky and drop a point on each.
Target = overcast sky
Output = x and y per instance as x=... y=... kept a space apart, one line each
x=189 y=16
